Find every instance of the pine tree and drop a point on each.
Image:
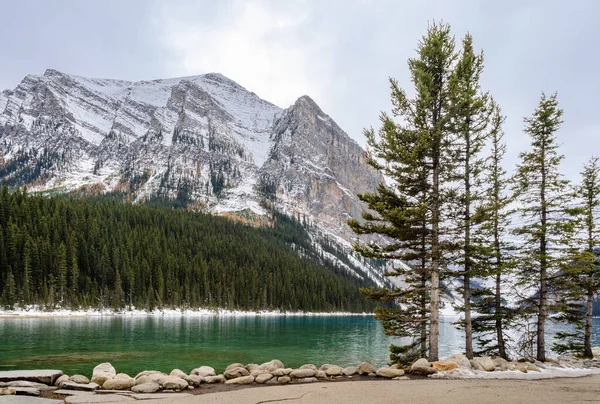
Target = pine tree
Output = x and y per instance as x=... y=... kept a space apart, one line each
x=9 y=294
x=61 y=272
x=471 y=117
x=413 y=153
x=494 y=315
x=544 y=223
x=581 y=274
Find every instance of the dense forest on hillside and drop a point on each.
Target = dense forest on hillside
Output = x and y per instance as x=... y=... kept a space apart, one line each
x=62 y=252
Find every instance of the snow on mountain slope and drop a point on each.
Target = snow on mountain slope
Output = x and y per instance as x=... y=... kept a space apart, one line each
x=203 y=140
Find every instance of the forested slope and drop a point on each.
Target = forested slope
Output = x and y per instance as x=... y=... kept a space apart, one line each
x=62 y=252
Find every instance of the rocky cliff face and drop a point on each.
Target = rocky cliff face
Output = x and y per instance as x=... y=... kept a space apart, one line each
x=203 y=140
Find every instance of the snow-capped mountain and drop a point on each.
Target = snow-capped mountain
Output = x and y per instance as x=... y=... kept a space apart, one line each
x=203 y=139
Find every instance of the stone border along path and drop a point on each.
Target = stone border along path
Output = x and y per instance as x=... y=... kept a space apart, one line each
x=106 y=385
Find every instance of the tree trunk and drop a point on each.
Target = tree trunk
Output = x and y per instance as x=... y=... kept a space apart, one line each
x=541 y=321
x=435 y=263
x=587 y=342
x=498 y=313
x=467 y=254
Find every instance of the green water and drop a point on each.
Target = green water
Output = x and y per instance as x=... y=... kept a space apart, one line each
x=133 y=344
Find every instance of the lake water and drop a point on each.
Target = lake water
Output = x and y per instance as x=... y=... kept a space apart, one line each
x=133 y=344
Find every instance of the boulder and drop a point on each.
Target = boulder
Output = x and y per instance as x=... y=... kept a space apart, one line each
x=80 y=387
x=531 y=367
x=118 y=383
x=29 y=385
x=103 y=372
x=251 y=367
x=309 y=366
x=300 y=373
x=5 y=391
x=146 y=388
x=349 y=371
x=283 y=379
x=272 y=381
x=421 y=363
x=148 y=373
x=287 y=371
x=194 y=380
x=81 y=379
x=203 y=371
x=321 y=374
x=486 y=364
x=178 y=373
x=257 y=372
x=233 y=373
x=389 y=373
x=499 y=361
x=307 y=380
x=64 y=378
x=173 y=383
x=263 y=378
x=143 y=380
x=26 y=391
x=278 y=372
x=333 y=371
x=215 y=379
x=326 y=366
x=422 y=370
x=241 y=380
x=444 y=366
x=461 y=359
x=596 y=350
x=364 y=368
x=233 y=366
x=272 y=365
x=46 y=376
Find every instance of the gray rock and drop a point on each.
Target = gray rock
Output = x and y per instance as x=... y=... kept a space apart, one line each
x=241 y=380
x=521 y=367
x=321 y=374
x=10 y=399
x=333 y=370
x=486 y=364
x=26 y=384
x=80 y=387
x=287 y=371
x=365 y=368
x=118 y=383
x=300 y=373
x=178 y=373
x=64 y=392
x=58 y=382
x=278 y=372
x=103 y=372
x=283 y=380
x=146 y=388
x=203 y=371
x=532 y=367
x=149 y=373
x=421 y=363
x=143 y=379
x=307 y=380
x=349 y=371
x=251 y=367
x=194 y=380
x=234 y=373
x=390 y=373
x=309 y=366
x=173 y=383
x=46 y=376
x=461 y=359
x=263 y=378
x=272 y=365
x=272 y=381
x=5 y=391
x=81 y=379
x=235 y=365
x=215 y=379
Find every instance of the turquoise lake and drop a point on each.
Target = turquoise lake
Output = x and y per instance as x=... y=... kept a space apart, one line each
x=136 y=343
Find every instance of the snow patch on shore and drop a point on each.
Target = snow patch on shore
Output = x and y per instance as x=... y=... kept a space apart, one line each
x=548 y=373
x=35 y=311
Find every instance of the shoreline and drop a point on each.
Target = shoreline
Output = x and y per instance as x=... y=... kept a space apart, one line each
x=36 y=312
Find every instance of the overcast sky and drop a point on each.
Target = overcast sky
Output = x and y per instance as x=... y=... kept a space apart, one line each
x=341 y=53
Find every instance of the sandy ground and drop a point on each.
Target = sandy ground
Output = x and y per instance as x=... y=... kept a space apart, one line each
x=564 y=390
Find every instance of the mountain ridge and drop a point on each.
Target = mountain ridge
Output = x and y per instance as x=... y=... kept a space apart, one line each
x=204 y=139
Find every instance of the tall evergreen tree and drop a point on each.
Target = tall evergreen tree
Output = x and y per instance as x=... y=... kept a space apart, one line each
x=544 y=225
x=581 y=274
x=494 y=314
x=470 y=119
x=414 y=153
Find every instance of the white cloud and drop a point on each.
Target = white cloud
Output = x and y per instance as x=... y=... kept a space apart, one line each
x=255 y=43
